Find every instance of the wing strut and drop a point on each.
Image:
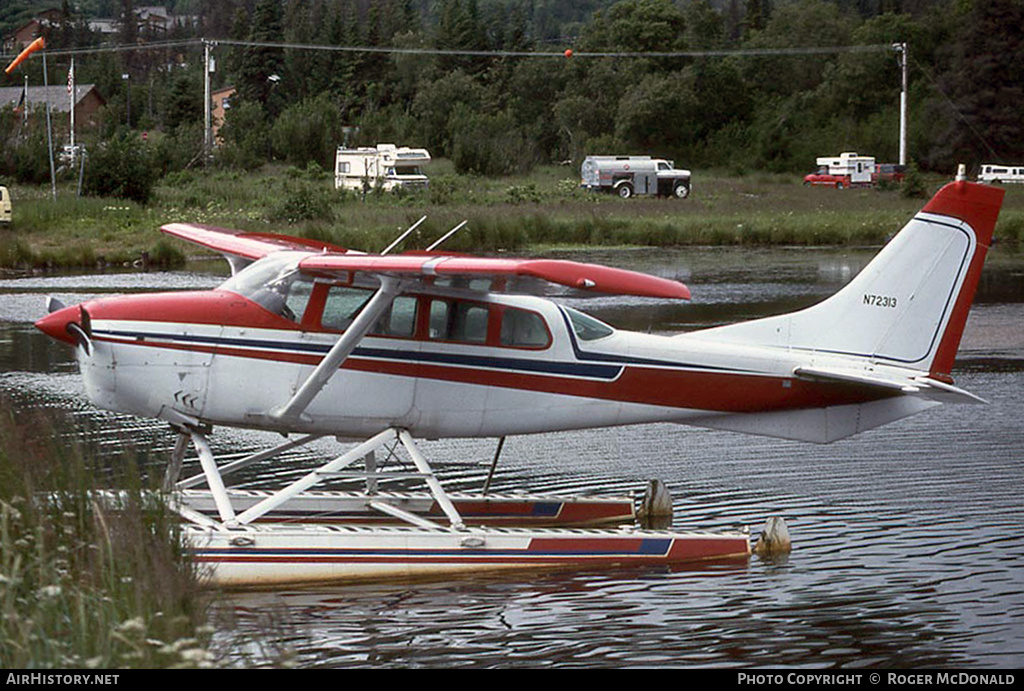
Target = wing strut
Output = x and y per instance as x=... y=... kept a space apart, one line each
x=361 y=325
x=402 y=236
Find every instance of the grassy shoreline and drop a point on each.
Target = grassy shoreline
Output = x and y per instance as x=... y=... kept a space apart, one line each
x=84 y=585
x=544 y=209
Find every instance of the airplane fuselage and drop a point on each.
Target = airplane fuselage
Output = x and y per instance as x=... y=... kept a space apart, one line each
x=218 y=357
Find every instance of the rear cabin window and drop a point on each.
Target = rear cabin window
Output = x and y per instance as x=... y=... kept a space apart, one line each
x=464 y=321
x=458 y=320
x=523 y=329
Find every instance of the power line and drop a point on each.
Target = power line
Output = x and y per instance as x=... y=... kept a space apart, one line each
x=121 y=48
x=739 y=52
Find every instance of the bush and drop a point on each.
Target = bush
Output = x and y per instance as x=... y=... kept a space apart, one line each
x=913 y=186
x=303 y=202
x=122 y=168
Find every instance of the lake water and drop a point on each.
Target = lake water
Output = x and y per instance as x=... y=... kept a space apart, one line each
x=908 y=541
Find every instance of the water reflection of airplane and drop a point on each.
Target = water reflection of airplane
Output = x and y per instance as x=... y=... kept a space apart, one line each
x=310 y=339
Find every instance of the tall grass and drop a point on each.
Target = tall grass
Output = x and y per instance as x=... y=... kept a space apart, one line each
x=523 y=212
x=84 y=584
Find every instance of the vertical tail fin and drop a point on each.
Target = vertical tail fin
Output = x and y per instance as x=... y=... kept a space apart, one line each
x=909 y=305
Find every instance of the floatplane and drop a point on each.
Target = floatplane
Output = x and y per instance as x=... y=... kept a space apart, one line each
x=311 y=340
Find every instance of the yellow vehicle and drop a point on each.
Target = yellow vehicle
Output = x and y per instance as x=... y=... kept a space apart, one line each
x=5 y=205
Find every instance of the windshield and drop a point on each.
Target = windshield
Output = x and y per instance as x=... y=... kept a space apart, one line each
x=275 y=283
x=406 y=170
x=586 y=327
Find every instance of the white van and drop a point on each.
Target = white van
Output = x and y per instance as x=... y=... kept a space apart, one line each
x=998 y=173
x=5 y=205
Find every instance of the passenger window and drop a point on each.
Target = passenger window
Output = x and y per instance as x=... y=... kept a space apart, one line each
x=470 y=323
x=524 y=329
x=465 y=322
x=438 y=320
x=342 y=306
x=400 y=320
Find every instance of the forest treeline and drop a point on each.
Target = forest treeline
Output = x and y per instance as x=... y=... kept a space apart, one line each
x=493 y=113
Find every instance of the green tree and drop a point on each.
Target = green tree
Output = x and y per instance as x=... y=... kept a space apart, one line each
x=246 y=136
x=489 y=144
x=182 y=105
x=309 y=131
x=800 y=24
x=262 y=67
x=981 y=121
x=435 y=103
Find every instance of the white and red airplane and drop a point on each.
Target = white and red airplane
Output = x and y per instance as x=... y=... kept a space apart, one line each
x=317 y=340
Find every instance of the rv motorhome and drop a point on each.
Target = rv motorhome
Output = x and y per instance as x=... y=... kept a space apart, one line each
x=385 y=166
x=996 y=174
x=5 y=205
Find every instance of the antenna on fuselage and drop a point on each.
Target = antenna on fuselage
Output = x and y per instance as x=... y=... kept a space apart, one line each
x=447 y=235
x=403 y=236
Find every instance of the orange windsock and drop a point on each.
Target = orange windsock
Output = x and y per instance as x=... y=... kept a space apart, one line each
x=31 y=48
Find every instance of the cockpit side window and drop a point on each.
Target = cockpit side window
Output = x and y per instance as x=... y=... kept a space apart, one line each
x=343 y=304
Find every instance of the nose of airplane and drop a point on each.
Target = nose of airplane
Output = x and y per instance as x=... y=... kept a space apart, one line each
x=68 y=324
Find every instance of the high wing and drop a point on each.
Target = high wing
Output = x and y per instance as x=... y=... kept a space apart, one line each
x=241 y=248
x=591 y=277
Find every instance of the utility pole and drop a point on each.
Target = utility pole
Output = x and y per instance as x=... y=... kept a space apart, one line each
x=901 y=48
x=207 y=131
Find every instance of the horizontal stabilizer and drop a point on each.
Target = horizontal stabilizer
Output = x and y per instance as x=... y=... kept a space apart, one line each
x=923 y=386
x=818 y=425
x=851 y=377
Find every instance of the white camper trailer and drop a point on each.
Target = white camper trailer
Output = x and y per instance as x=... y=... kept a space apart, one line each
x=5 y=206
x=385 y=166
x=845 y=170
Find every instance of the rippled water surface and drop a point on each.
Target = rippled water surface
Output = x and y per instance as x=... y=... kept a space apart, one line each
x=908 y=540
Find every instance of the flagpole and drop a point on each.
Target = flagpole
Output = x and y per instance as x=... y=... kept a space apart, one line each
x=24 y=103
x=49 y=128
